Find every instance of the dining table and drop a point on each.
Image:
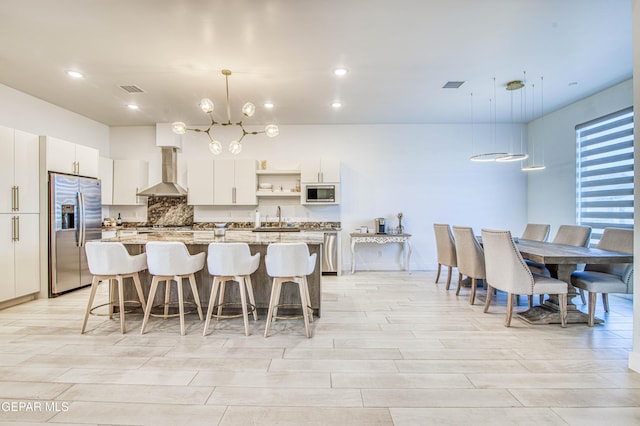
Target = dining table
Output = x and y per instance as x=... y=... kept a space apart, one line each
x=562 y=260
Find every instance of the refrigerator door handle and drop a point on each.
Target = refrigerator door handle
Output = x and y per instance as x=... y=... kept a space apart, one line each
x=81 y=220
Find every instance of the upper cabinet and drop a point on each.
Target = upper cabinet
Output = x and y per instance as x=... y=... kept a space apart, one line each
x=106 y=176
x=19 y=186
x=200 y=182
x=235 y=182
x=129 y=177
x=320 y=171
x=67 y=157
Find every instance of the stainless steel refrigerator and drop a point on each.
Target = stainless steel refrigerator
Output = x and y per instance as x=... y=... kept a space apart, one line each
x=75 y=211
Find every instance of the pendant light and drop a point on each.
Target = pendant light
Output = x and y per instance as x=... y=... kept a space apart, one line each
x=490 y=156
x=512 y=155
x=533 y=166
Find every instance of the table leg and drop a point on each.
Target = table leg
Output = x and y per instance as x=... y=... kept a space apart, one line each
x=353 y=257
x=408 y=243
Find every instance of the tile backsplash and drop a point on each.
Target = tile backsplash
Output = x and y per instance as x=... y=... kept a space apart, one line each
x=169 y=211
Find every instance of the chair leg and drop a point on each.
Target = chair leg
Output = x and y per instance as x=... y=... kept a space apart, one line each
x=592 y=308
x=507 y=321
x=152 y=295
x=530 y=300
x=167 y=297
x=136 y=282
x=584 y=300
x=243 y=300
x=541 y=299
x=196 y=296
x=94 y=286
x=459 y=285
x=474 y=284
x=605 y=301
x=488 y=301
x=450 y=269
x=178 y=280
x=120 y=280
x=302 y=284
x=272 y=303
x=563 y=310
x=252 y=300
x=516 y=298
x=438 y=274
x=212 y=298
x=223 y=283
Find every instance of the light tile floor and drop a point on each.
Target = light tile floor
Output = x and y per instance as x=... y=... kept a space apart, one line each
x=390 y=349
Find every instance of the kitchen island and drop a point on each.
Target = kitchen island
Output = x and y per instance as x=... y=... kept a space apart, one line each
x=198 y=241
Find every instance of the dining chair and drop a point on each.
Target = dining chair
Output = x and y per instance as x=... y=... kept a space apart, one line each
x=536 y=232
x=569 y=235
x=470 y=258
x=507 y=271
x=446 y=248
x=607 y=278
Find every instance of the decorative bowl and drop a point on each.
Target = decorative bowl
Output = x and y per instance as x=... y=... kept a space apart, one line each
x=266 y=186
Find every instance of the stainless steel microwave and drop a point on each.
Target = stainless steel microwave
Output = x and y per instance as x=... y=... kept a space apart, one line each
x=320 y=193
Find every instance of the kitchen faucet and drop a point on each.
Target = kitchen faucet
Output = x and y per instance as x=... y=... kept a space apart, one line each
x=279 y=213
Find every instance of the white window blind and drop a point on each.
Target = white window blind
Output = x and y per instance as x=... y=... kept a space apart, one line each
x=604 y=172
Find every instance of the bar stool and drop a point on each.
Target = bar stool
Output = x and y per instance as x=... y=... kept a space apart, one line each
x=112 y=261
x=170 y=261
x=231 y=262
x=289 y=262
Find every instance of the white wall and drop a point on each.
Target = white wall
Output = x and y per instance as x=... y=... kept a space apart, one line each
x=27 y=113
x=552 y=191
x=422 y=171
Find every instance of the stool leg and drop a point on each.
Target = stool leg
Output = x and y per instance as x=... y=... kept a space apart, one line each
x=221 y=298
x=272 y=302
x=94 y=286
x=196 y=296
x=278 y=291
x=136 y=282
x=152 y=295
x=243 y=300
x=308 y=298
x=251 y=298
x=120 y=281
x=178 y=279
x=303 y=301
x=112 y=290
x=167 y=297
x=212 y=298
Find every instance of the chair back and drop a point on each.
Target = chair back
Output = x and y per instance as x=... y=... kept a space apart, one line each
x=172 y=258
x=224 y=259
x=505 y=267
x=289 y=260
x=573 y=235
x=470 y=255
x=536 y=232
x=112 y=258
x=620 y=240
x=445 y=245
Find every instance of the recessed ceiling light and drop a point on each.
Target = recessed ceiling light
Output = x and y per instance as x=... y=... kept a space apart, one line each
x=74 y=74
x=340 y=71
x=268 y=105
x=133 y=107
x=336 y=104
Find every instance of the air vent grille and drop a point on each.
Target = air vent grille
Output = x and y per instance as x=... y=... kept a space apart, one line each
x=132 y=89
x=453 y=84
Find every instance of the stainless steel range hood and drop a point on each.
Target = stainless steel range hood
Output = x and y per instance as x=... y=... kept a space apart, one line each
x=169 y=186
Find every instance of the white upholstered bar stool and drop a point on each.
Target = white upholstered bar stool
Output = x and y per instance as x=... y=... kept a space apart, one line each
x=112 y=262
x=170 y=261
x=231 y=262
x=289 y=262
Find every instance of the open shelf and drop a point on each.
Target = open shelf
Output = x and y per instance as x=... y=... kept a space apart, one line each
x=277 y=172
x=277 y=194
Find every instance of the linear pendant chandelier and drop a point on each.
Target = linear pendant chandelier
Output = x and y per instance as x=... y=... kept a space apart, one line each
x=248 y=109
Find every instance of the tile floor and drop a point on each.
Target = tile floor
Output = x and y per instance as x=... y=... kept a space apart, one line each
x=390 y=349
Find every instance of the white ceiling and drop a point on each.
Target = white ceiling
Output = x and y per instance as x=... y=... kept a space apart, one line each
x=400 y=53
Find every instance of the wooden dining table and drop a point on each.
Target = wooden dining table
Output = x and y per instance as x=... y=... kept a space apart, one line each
x=562 y=261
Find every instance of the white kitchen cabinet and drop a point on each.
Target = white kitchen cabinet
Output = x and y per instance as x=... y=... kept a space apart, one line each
x=284 y=183
x=129 y=177
x=105 y=174
x=200 y=182
x=235 y=182
x=20 y=260
x=19 y=172
x=67 y=157
x=320 y=171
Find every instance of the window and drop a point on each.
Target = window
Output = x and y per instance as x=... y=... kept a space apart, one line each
x=604 y=172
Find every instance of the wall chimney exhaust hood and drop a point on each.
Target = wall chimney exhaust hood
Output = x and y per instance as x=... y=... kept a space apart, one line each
x=169 y=186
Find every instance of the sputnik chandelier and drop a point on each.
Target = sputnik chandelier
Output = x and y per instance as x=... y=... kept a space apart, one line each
x=206 y=104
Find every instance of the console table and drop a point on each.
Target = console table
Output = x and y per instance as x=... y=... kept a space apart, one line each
x=403 y=239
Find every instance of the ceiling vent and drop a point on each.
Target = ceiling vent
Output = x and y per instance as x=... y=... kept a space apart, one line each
x=453 y=84
x=132 y=89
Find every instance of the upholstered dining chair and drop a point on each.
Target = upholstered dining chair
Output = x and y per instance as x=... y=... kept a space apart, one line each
x=446 y=248
x=507 y=271
x=536 y=232
x=607 y=278
x=569 y=235
x=470 y=258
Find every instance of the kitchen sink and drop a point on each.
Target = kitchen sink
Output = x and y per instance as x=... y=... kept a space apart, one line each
x=276 y=229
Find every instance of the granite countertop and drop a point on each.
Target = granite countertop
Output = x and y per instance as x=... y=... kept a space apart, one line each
x=206 y=237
